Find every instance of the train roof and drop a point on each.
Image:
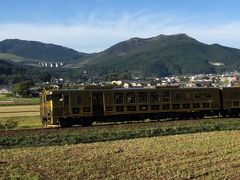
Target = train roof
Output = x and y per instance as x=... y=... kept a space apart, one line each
x=129 y=89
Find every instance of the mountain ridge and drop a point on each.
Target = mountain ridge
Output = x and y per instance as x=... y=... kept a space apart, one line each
x=164 y=55
x=39 y=50
x=161 y=55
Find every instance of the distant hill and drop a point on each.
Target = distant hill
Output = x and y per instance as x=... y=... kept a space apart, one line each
x=40 y=51
x=11 y=73
x=157 y=56
x=164 y=55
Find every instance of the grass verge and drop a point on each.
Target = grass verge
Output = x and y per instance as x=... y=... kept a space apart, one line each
x=23 y=122
x=116 y=132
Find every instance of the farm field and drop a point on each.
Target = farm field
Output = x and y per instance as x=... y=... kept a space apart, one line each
x=212 y=155
x=7 y=100
x=22 y=110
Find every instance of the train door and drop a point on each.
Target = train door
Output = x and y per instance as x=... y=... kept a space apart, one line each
x=66 y=104
x=97 y=104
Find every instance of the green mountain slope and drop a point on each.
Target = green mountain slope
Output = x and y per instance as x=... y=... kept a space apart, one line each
x=159 y=56
x=163 y=55
x=11 y=73
x=40 y=51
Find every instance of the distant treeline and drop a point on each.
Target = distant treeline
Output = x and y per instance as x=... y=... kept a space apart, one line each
x=11 y=74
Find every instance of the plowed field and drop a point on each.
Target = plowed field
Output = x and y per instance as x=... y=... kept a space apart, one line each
x=212 y=155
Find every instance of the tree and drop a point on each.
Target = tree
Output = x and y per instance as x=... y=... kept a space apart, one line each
x=22 y=89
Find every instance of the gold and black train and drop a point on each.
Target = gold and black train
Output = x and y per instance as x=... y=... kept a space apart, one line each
x=85 y=106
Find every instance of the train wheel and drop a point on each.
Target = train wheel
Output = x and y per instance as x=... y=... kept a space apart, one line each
x=64 y=122
x=87 y=122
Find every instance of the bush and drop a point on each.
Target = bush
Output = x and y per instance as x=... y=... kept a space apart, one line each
x=22 y=89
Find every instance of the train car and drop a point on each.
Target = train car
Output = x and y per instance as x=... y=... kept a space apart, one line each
x=70 y=107
x=230 y=101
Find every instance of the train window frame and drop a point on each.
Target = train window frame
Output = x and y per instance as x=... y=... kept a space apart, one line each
x=166 y=106
x=131 y=108
x=143 y=97
x=154 y=97
x=86 y=109
x=131 y=98
x=109 y=108
x=75 y=110
x=57 y=96
x=236 y=103
x=206 y=105
x=176 y=106
x=154 y=107
x=178 y=96
x=186 y=105
x=119 y=108
x=49 y=97
x=118 y=96
x=143 y=107
x=78 y=100
x=165 y=96
x=196 y=105
x=203 y=95
x=66 y=100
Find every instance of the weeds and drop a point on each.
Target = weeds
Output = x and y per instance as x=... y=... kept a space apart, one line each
x=8 y=123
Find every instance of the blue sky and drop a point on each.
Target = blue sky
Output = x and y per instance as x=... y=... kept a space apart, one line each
x=94 y=25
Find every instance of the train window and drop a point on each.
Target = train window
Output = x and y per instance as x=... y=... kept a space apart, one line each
x=49 y=97
x=165 y=96
x=235 y=103
x=176 y=106
x=143 y=107
x=178 y=96
x=142 y=97
x=118 y=98
x=131 y=97
x=196 y=105
x=185 y=106
x=165 y=106
x=154 y=97
x=206 y=105
x=202 y=95
x=86 y=109
x=131 y=108
x=119 y=108
x=66 y=99
x=78 y=99
x=109 y=108
x=154 y=107
x=57 y=96
x=75 y=110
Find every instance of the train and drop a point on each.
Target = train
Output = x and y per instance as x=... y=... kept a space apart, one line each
x=68 y=107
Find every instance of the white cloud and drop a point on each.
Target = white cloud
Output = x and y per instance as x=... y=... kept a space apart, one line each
x=97 y=34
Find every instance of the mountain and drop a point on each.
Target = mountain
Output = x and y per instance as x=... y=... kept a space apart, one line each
x=157 y=56
x=163 y=55
x=40 y=51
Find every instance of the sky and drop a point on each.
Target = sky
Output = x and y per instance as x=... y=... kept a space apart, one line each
x=95 y=25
